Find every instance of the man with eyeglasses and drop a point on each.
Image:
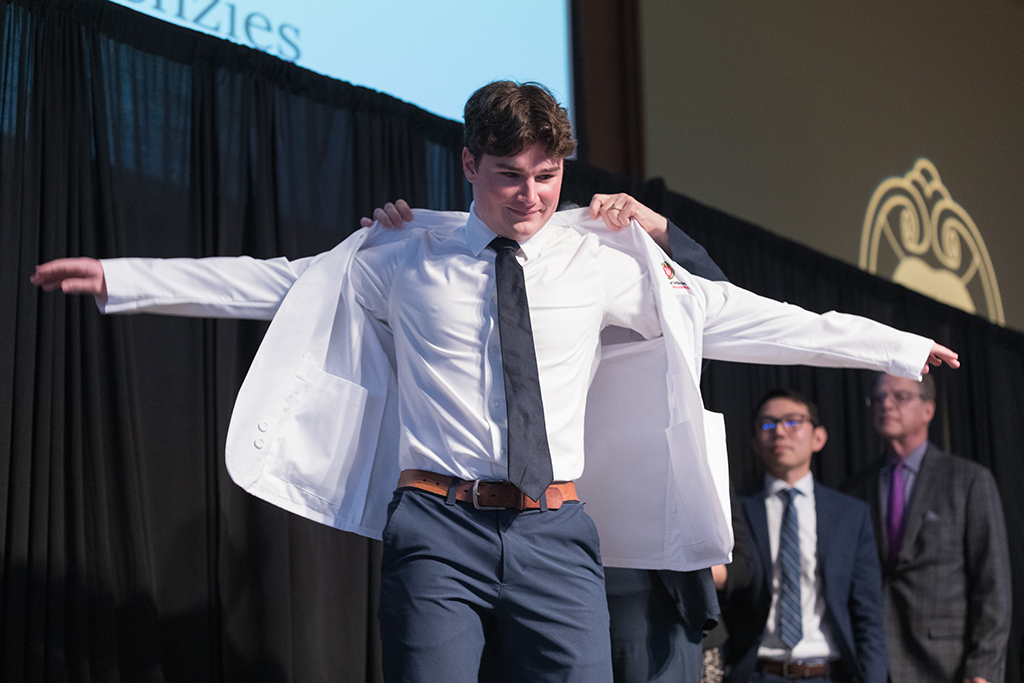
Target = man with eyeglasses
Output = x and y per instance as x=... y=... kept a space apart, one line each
x=812 y=609
x=942 y=543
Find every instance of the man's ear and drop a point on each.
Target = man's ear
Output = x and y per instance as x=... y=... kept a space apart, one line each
x=929 y=409
x=819 y=439
x=468 y=164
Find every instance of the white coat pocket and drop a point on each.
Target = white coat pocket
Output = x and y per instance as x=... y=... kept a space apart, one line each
x=314 y=447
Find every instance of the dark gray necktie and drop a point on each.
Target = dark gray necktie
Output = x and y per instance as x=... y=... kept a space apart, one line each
x=529 y=460
x=789 y=613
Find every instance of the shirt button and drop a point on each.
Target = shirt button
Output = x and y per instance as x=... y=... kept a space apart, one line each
x=502 y=451
x=495 y=404
x=258 y=443
x=263 y=426
x=494 y=349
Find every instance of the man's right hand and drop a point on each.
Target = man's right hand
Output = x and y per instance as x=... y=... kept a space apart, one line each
x=72 y=276
x=391 y=216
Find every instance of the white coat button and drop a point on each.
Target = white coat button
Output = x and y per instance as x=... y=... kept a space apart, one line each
x=263 y=426
x=258 y=443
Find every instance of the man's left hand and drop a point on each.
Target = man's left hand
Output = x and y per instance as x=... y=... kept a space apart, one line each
x=617 y=210
x=939 y=355
x=390 y=216
x=975 y=679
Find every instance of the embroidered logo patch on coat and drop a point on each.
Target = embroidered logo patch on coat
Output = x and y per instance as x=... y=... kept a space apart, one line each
x=670 y=273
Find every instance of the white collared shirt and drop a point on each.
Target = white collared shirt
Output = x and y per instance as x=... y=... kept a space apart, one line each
x=437 y=293
x=817 y=641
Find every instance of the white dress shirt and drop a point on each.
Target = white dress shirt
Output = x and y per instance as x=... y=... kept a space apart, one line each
x=438 y=296
x=817 y=641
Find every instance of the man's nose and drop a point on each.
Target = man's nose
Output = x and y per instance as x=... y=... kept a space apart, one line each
x=528 y=191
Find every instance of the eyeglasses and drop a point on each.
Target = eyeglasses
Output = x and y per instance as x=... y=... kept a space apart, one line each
x=901 y=398
x=790 y=423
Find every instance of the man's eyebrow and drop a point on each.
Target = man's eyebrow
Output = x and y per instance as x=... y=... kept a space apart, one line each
x=512 y=167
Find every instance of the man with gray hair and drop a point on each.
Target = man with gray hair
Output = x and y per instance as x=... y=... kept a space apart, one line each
x=942 y=544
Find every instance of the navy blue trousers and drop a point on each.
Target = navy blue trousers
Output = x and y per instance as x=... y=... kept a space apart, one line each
x=651 y=642
x=473 y=595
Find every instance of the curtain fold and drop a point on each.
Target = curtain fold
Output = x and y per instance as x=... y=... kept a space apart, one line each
x=126 y=553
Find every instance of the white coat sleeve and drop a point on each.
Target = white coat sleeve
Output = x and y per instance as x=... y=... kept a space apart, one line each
x=219 y=287
x=742 y=326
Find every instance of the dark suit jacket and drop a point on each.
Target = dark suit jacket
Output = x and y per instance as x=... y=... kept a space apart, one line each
x=948 y=595
x=849 y=575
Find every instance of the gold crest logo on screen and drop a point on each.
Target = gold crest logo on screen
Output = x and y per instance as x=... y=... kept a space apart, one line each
x=916 y=235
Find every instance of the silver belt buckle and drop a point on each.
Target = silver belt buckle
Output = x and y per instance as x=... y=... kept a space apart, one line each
x=476 y=498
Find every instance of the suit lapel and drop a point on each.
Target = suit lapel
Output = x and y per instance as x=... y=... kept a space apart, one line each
x=825 y=509
x=754 y=509
x=924 y=488
x=874 y=499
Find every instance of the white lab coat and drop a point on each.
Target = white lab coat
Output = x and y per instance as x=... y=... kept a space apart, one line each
x=314 y=428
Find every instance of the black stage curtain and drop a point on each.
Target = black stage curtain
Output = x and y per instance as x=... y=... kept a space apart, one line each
x=127 y=554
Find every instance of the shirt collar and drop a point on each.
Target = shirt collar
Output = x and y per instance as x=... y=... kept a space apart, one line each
x=913 y=461
x=478 y=236
x=804 y=485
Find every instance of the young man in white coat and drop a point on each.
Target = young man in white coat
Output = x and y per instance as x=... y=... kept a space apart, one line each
x=491 y=568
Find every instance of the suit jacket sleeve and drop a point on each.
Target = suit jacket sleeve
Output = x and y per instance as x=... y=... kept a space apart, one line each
x=740 y=572
x=988 y=580
x=692 y=256
x=865 y=604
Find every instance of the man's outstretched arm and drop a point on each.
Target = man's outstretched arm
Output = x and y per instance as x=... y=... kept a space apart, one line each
x=215 y=287
x=745 y=327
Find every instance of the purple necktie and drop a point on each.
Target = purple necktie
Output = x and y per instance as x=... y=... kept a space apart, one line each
x=895 y=515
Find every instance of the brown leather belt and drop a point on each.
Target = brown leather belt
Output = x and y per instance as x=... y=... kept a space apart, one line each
x=486 y=495
x=796 y=669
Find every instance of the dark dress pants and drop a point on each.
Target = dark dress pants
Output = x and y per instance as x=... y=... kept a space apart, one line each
x=473 y=595
x=650 y=641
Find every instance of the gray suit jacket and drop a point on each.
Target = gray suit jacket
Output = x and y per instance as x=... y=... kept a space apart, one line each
x=948 y=593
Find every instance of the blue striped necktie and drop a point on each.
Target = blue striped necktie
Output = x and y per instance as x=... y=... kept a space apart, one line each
x=788 y=612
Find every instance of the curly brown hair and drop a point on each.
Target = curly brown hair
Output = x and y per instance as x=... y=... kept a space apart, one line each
x=504 y=117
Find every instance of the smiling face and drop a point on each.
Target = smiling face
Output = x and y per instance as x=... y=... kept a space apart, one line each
x=786 y=448
x=515 y=196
